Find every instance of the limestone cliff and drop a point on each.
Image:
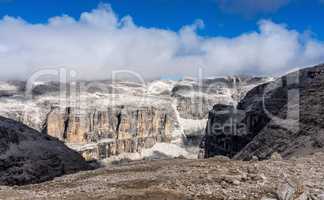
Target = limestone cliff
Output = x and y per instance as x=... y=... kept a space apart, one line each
x=114 y=130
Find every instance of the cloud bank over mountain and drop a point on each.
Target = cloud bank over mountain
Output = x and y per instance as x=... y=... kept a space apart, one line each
x=100 y=42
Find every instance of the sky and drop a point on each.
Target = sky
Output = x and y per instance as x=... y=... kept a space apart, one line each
x=157 y=38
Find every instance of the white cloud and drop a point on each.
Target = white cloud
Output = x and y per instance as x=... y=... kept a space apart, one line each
x=99 y=42
x=249 y=8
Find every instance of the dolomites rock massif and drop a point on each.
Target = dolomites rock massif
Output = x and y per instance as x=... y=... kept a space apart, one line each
x=110 y=132
x=105 y=119
x=283 y=116
x=275 y=120
x=27 y=156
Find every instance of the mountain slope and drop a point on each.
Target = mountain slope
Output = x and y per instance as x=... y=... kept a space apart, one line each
x=296 y=106
x=27 y=156
x=283 y=116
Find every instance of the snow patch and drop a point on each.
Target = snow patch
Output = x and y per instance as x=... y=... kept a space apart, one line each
x=170 y=150
x=7 y=87
x=191 y=126
x=158 y=151
x=160 y=87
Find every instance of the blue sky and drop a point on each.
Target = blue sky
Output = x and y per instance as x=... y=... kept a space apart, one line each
x=160 y=38
x=173 y=14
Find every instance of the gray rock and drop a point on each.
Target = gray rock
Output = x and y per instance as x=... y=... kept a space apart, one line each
x=283 y=116
x=27 y=156
x=321 y=197
x=286 y=191
x=276 y=156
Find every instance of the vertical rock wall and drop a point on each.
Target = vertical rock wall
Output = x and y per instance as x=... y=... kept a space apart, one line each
x=112 y=131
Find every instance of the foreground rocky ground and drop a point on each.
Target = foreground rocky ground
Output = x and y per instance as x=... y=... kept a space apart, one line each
x=215 y=178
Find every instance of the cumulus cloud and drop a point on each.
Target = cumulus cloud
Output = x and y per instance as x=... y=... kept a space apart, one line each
x=249 y=8
x=99 y=42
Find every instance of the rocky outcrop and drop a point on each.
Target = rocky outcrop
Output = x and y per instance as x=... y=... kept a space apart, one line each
x=27 y=156
x=294 y=106
x=283 y=116
x=224 y=134
x=112 y=131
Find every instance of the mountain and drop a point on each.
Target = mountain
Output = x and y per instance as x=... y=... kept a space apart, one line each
x=27 y=156
x=117 y=119
x=283 y=116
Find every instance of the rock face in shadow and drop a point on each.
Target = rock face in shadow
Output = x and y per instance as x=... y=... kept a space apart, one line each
x=224 y=133
x=283 y=116
x=27 y=156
